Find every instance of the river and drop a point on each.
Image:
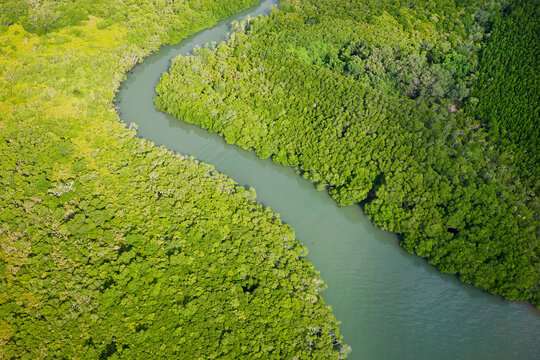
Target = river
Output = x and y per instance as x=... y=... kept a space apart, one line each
x=392 y=305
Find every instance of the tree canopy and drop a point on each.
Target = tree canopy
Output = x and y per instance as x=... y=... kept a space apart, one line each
x=367 y=99
x=112 y=247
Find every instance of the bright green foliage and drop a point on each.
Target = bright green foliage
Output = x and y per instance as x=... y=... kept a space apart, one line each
x=509 y=83
x=163 y=16
x=113 y=248
x=369 y=108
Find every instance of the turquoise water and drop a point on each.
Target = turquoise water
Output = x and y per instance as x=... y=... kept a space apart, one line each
x=392 y=305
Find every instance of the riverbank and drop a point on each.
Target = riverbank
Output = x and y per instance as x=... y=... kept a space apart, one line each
x=392 y=304
x=112 y=247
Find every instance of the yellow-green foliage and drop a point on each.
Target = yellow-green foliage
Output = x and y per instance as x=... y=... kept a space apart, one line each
x=113 y=248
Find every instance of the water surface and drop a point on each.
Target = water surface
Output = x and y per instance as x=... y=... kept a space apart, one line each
x=392 y=305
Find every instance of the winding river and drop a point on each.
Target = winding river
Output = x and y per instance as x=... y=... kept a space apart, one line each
x=392 y=305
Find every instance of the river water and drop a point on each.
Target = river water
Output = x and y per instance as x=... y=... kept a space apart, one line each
x=392 y=305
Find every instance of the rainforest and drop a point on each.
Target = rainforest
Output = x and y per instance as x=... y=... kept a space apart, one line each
x=369 y=106
x=422 y=113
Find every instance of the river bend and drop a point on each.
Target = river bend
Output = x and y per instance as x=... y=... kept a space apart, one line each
x=392 y=305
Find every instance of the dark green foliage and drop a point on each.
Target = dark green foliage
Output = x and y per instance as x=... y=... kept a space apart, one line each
x=316 y=89
x=508 y=84
x=113 y=248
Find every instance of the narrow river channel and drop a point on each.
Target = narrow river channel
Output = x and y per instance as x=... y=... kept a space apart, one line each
x=392 y=305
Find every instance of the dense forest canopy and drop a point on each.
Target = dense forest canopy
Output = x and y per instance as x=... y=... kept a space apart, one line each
x=375 y=101
x=112 y=247
x=509 y=83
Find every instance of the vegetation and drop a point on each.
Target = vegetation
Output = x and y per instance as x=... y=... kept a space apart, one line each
x=366 y=98
x=508 y=84
x=111 y=247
